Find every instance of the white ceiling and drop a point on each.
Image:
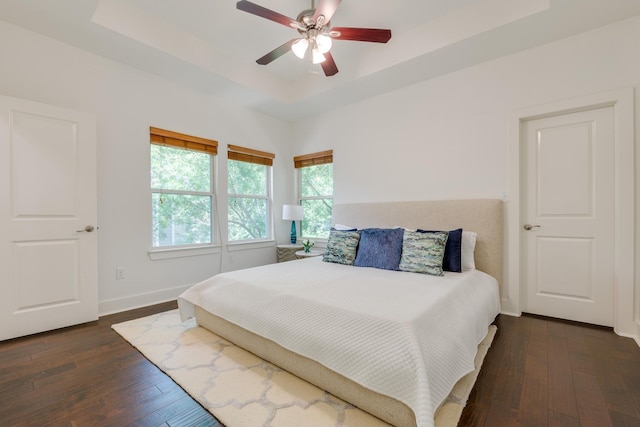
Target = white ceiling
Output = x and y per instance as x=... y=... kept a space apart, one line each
x=212 y=46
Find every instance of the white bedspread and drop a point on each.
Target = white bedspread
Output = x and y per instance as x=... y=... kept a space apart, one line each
x=406 y=335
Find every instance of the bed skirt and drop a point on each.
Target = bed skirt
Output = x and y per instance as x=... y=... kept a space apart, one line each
x=384 y=407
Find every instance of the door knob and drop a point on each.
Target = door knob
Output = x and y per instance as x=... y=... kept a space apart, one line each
x=530 y=227
x=88 y=229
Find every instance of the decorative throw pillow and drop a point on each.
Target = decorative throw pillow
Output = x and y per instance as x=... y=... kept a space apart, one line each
x=380 y=248
x=452 y=252
x=423 y=252
x=341 y=247
x=468 y=250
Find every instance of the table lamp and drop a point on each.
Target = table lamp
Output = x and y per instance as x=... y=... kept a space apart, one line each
x=293 y=213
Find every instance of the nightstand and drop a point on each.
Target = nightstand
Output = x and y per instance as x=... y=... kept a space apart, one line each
x=303 y=254
x=288 y=252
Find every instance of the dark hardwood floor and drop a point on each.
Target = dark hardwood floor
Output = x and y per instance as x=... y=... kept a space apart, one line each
x=538 y=372
x=548 y=372
x=88 y=376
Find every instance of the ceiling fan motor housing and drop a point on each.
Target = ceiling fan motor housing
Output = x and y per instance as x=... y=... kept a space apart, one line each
x=306 y=19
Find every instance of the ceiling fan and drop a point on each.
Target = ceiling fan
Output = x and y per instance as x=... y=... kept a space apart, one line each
x=316 y=35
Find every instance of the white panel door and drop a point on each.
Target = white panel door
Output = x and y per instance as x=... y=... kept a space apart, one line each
x=48 y=213
x=568 y=223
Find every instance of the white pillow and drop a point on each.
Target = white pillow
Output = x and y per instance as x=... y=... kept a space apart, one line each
x=468 y=248
x=342 y=227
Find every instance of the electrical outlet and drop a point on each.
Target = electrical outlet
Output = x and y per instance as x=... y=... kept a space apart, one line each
x=119 y=273
x=230 y=259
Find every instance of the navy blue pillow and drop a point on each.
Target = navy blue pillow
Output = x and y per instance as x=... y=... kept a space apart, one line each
x=452 y=251
x=380 y=248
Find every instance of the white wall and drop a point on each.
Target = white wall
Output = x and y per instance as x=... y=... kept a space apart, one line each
x=126 y=102
x=448 y=138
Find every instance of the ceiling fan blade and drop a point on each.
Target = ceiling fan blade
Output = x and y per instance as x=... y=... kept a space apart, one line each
x=276 y=53
x=329 y=65
x=362 y=34
x=263 y=12
x=325 y=8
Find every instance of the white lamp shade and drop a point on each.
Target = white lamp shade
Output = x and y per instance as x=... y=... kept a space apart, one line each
x=317 y=56
x=299 y=48
x=292 y=212
x=324 y=43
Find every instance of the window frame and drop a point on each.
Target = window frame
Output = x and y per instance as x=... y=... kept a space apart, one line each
x=249 y=155
x=185 y=142
x=308 y=160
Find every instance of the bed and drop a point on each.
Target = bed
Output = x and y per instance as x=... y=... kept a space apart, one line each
x=392 y=343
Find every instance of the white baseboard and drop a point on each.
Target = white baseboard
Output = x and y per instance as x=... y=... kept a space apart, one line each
x=510 y=313
x=141 y=300
x=636 y=337
x=633 y=337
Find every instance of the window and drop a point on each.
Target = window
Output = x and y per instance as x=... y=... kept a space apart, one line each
x=181 y=189
x=315 y=174
x=249 y=194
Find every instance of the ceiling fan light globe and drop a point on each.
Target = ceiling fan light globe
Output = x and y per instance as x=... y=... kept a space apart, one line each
x=317 y=57
x=299 y=48
x=324 y=43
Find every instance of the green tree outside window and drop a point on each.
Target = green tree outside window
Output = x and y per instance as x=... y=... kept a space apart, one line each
x=248 y=201
x=316 y=196
x=181 y=197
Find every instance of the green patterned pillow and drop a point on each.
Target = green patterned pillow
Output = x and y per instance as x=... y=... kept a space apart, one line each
x=341 y=247
x=423 y=252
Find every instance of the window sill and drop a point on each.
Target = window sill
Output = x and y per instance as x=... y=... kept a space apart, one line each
x=159 y=254
x=241 y=246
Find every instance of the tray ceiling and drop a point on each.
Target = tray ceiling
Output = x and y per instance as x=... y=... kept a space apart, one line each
x=212 y=47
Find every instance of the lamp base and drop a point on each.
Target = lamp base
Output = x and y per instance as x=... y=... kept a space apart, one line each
x=294 y=234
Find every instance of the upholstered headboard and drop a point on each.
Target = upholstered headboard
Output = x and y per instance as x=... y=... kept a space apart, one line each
x=483 y=216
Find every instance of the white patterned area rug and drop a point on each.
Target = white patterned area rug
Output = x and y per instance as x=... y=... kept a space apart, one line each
x=240 y=389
